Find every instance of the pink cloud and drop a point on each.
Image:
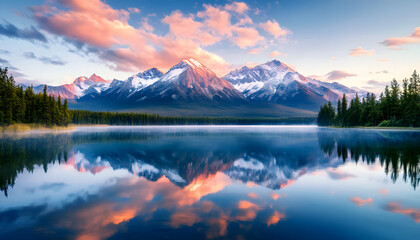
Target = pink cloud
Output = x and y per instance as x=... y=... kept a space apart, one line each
x=177 y=24
x=254 y=51
x=397 y=208
x=360 y=202
x=97 y=28
x=273 y=28
x=275 y=54
x=92 y=22
x=239 y=7
x=217 y=20
x=383 y=60
x=395 y=42
x=244 y=21
x=359 y=51
x=246 y=37
x=133 y=10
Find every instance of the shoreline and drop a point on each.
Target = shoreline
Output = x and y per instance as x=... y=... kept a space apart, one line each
x=381 y=128
x=23 y=127
x=27 y=127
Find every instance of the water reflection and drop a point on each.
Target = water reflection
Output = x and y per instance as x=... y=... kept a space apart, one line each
x=204 y=183
x=396 y=151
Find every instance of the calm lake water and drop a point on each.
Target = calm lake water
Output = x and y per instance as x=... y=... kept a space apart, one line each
x=210 y=182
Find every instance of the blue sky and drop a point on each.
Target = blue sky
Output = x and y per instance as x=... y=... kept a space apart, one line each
x=358 y=43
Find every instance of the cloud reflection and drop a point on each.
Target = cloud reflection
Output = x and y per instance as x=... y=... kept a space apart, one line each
x=360 y=202
x=414 y=213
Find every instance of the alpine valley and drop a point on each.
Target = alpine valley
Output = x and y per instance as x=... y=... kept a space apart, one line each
x=272 y=89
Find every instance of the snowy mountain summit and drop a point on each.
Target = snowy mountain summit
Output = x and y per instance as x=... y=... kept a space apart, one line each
x=80 y=87
x=189 y=83
x=276 y=82
x=189 y=80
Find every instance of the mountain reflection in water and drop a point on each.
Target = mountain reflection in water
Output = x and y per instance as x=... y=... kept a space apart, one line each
x=203 y=182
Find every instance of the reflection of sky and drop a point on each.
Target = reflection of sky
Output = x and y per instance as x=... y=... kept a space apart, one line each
x=108 y=190
x=98 y=206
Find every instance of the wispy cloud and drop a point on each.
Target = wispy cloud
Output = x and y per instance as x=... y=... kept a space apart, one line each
x=383 y=71
x=275 y=54
x=383 y=60
x=31 y=33
x=359 y=51
x=45 y=60
x=376 y=83
x=375 y=86
x=5 y=63
x=333 y=75
x=15 y=72
x=338 y=75
x=395 y=42
x=255 y=51
x=414 y=213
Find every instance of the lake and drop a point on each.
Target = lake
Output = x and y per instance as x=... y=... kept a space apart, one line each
x=210 y=182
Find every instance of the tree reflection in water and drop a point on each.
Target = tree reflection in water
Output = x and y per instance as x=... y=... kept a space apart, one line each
x=197 y=154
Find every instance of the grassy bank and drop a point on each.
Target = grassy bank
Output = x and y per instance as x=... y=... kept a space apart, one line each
x=21 y=127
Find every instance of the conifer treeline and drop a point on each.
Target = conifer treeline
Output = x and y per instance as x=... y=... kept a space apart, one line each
x=115 y=118
x=24 y=106
x=395 y=107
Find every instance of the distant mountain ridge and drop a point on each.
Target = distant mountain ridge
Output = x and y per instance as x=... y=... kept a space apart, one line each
x=80 y=87
x=276 y=82
x=272 y=86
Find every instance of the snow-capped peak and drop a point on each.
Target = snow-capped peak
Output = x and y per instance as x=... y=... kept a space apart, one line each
x=93 y=78
x=276 y=65
x=79 y=80
x=150 y=73
x=96 y=78
x=184 y=65
x=193 y=63
x=143 y=79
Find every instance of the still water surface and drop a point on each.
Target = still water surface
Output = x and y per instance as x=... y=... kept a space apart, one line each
x=210 y=182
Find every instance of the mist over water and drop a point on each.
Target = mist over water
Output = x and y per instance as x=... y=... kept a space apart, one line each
x=216 y=182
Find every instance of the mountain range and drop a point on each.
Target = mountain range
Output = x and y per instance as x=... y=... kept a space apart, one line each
x=272 y=89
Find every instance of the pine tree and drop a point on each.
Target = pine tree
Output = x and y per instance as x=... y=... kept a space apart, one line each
x=60 y=116
x=339 y=117
x=331 y=114
x=19 y=105
x=66 y=113
x=386 y=103
x=30 y=111
x=344 y=110
x=8 y=93
x=394 y=105
x=357 y=111
x=46 y=108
